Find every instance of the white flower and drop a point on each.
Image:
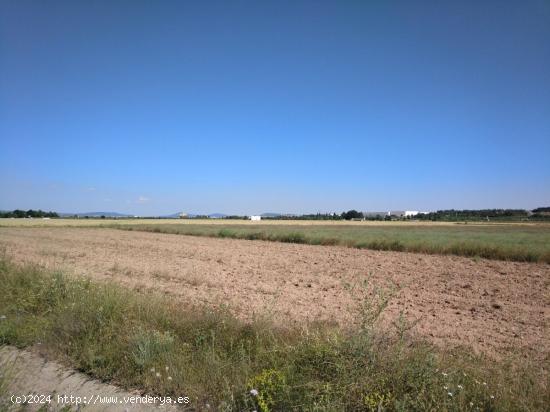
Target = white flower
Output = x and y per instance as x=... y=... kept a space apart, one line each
x=460 y=387
x=445 y=387
x=167 y=369
x=443 y=373
x=450 y=393
x=485 y=383
x=471 y=404
x=253 y=392
x=492 y=397
x=3 y=317
x=169 y=378
x=152 y=369
x=158 y=375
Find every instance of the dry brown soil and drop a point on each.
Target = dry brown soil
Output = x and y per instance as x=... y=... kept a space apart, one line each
x=494 y=307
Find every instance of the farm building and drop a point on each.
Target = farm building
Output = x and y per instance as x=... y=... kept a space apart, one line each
x=255 y=217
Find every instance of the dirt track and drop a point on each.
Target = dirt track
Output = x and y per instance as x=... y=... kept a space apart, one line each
x=49 y=378
x=492 y=306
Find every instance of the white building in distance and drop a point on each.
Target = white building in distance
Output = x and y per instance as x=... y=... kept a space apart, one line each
x=412 y=213
x=255 y=218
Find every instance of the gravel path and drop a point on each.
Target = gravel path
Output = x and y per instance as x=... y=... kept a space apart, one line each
x=55 y=387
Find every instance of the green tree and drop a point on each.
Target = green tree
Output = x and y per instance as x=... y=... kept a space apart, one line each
x=352 y=214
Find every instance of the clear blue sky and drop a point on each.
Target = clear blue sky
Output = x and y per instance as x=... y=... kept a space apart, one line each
x=153 y=107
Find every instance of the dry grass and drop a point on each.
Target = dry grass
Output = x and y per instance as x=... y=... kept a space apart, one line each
x=522 y=243
x=149 y=342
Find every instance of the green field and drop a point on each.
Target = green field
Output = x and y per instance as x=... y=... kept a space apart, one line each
x=145 y=341
x=530 y=243
x=524 y=242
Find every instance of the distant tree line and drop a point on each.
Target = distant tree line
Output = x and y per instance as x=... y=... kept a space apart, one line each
x=352 y=214
x=28 y=213
x=348 y=215
x=541 y=213
x=483 y=214
x=452 y=214
x=312 y=216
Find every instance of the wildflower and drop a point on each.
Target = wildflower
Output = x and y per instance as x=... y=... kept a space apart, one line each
x=152 y=370
x=492 y=397
x=253 y=392
x=169 y=378
x=445 y=387
x=450 y=393
x=444 y=374
x=3 y=317
x=471 y=404
x=460 y=387
x=484 y=383
x=158 y=375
